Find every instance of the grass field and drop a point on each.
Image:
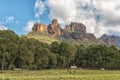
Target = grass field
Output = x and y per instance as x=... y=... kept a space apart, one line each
x=60 y=75
x=42 y=38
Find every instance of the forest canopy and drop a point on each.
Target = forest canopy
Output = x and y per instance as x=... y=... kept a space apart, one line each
x=28 y=53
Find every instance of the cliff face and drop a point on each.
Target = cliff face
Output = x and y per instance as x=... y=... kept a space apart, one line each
x=77 y=27
x=54 y=29
x=39 y=27
x=76 y=31
x=111 y=40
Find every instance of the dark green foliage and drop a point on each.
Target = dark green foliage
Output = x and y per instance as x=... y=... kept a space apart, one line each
x=25 y=53
x=81 y=58
x=55 y=47
x=8 y=48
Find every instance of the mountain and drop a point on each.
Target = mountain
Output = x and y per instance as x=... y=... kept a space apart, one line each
x=73 y=32
x=111 y=40
x=78 y=32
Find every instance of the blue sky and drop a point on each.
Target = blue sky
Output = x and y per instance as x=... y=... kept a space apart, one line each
x=14 y=14
x=20 y=15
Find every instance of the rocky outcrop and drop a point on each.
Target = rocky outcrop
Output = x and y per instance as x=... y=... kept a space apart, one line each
x=77 y=31
x=54 y=29
x=77 y=27
x=39 y=27
x=87 y=37
x=111 y=40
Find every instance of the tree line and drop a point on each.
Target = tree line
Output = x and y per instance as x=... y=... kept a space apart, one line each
x=29 y=53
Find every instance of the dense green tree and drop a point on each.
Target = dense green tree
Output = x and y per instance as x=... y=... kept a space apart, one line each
x=8 y=48
x=52 y=60
x=80 y=59
x=29 y=53
x=71 y=54
x=55 y=47
x=42 y=58
x=67 y=53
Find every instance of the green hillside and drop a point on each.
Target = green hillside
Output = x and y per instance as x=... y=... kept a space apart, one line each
x=49 y=40
x=43 y=38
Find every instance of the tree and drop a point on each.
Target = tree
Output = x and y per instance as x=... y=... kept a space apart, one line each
x=55 y=47
x=71 y=54
x=52 y=60
x=25 y=57
x=80 y=58
x=41 y=58
x=67 y=53
x=8 y=48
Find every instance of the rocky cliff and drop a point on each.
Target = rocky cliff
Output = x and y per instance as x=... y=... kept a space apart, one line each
x=74 y=30
x=111 y=40
x=77 y=31
x=54 y=29
x=39 y=27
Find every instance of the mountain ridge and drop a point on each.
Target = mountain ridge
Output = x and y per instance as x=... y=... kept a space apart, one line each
x=75 y=31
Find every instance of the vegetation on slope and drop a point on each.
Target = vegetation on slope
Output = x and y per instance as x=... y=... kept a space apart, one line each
x=32 y=54
x=43 y=38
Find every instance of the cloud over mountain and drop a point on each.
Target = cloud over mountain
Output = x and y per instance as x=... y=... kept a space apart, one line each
x=6 y=20
x=100 y=16
x=2 y=27
x=29 y=26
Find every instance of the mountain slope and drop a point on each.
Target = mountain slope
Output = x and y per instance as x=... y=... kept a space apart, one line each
x=43 y=38
x=111 y=40
x=73 y=33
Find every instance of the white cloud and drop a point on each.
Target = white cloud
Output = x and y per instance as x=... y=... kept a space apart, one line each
x=99 y=16
x=39 y=8
x=9 y=19
x=2 y=27
x=29 y=26
x=17 y=22
x=4 y=21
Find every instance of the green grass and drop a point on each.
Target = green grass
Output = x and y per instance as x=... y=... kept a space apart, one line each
x=61 y=74
x=43 y=38
x=46 y=38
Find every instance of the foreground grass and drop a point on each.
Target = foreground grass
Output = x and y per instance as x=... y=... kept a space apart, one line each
x=60 y=75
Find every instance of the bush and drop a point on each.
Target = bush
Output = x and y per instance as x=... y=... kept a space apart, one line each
x=11 y=67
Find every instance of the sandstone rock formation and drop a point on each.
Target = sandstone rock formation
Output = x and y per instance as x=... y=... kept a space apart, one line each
x=77 y=31
x=39 y=27
x=77 y=27
x=54 y=29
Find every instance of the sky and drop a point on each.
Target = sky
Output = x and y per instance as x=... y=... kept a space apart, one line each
x=99 y=16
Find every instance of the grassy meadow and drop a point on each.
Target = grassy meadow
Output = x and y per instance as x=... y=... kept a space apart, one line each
x=42 y=38
x=61 y=74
